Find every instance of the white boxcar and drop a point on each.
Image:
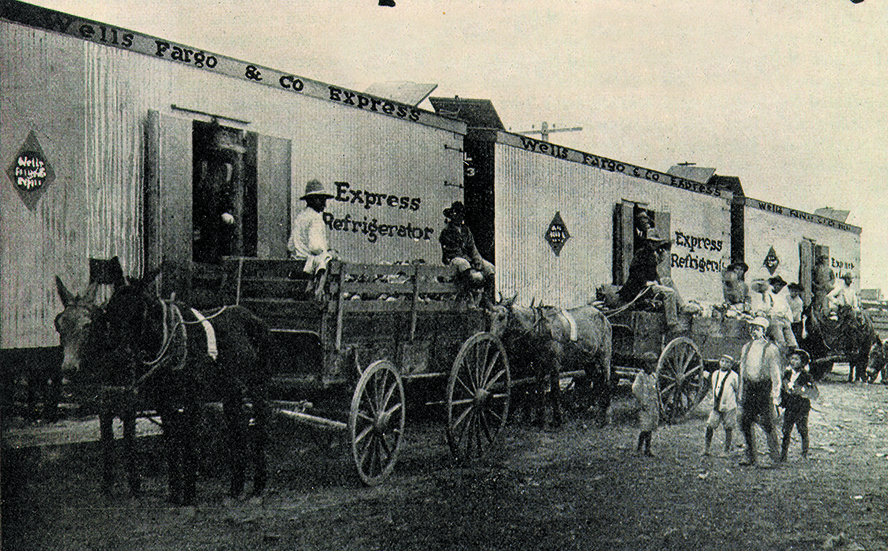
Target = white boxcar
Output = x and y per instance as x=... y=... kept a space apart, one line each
x=119 y=143
x=563 y=219
x=796 y=239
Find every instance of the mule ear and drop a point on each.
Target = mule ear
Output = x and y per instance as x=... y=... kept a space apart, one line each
x=149 y=284
x=90 y=295
x=64 y=293
x=511 y=301
x=117 y=279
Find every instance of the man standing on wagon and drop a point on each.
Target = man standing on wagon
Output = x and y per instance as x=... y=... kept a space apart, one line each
x=308 y=239
x=643 y=274
x=761 y=374
x=458 y=250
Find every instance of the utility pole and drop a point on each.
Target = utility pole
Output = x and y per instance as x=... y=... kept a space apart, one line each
x=544 y=130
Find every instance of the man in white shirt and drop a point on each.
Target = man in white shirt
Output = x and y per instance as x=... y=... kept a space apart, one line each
x=843 y=295
x=797 y=306
x=780 y=316
x=761 y=372
x=308 y=239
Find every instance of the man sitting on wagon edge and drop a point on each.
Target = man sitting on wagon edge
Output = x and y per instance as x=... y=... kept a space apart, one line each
x=458 y=250
x=308 y=239
x=643 y=273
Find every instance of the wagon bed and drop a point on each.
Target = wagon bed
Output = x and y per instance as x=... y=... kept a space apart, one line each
x=684 y=355
x=375 y=330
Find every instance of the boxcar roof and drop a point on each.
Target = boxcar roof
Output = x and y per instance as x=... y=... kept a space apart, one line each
x=132 y=41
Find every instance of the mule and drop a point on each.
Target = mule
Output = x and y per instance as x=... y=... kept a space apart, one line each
x=178 y=359
x=541 y=341
x=88 y=366
x=858 y=335
x=878 y=361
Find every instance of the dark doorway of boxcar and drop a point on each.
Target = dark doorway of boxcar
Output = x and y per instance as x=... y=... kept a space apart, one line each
x=224 y=213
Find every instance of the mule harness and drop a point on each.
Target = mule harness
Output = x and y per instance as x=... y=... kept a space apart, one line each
x=174 y=329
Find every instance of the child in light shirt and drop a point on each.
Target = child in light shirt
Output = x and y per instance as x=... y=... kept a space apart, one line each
x=725 y=385
x=646 y=391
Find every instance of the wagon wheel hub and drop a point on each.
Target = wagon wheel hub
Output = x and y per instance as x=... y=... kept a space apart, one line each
x=481 y=396
x=383 y=419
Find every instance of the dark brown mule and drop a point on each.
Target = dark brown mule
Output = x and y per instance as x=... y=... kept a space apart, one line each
x=88 y=366
x=178 y=359
x=544 y=341
x=878 y=361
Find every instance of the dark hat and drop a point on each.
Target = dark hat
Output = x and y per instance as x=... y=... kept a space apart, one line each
x=777 y=281
x=795 y=287
x=805 y=357
x=314 y=188
x=650 y=357
x=735 y=265
x=456 y=209
x=654 y=237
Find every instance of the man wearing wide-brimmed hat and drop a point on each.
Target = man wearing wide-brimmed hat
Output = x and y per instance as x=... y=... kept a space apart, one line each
x=308 y=239
x=780 y=316
x=843 y=294
x=458 y=250
x=643 y=275
x=761 y=372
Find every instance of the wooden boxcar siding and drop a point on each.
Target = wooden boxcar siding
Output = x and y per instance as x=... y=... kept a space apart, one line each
x=532 y=187
x=764 y=230
x=378 y=155
x=78 y=98
x=88 y=105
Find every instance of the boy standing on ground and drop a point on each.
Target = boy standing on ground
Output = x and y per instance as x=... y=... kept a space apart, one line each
x=798 y=386
x=645 y=390
x=725 y=385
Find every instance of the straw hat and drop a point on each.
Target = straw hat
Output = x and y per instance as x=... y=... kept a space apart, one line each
x=659 y=242
x=314 y=188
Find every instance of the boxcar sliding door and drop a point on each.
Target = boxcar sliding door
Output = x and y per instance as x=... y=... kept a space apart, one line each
x=273 y=196
x=210 y=192
x=168 y=174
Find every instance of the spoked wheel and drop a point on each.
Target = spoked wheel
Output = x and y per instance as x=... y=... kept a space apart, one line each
x=376 y=422
x=477 y=396
x=681 y=378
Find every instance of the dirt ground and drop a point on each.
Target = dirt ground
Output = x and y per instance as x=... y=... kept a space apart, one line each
x=577 y=488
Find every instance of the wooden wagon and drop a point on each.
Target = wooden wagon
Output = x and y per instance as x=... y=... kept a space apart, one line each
x=345 y=360
x=685 y=356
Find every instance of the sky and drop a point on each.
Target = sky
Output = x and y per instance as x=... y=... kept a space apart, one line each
x=791 y=97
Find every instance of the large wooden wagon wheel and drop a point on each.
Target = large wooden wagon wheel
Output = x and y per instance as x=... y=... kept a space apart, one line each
x=376 y=421
x=681 y=378
x=477 y=396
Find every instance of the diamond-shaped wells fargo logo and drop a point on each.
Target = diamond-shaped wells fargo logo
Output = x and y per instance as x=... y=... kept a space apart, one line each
x=557 y=234
x=31 y=172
